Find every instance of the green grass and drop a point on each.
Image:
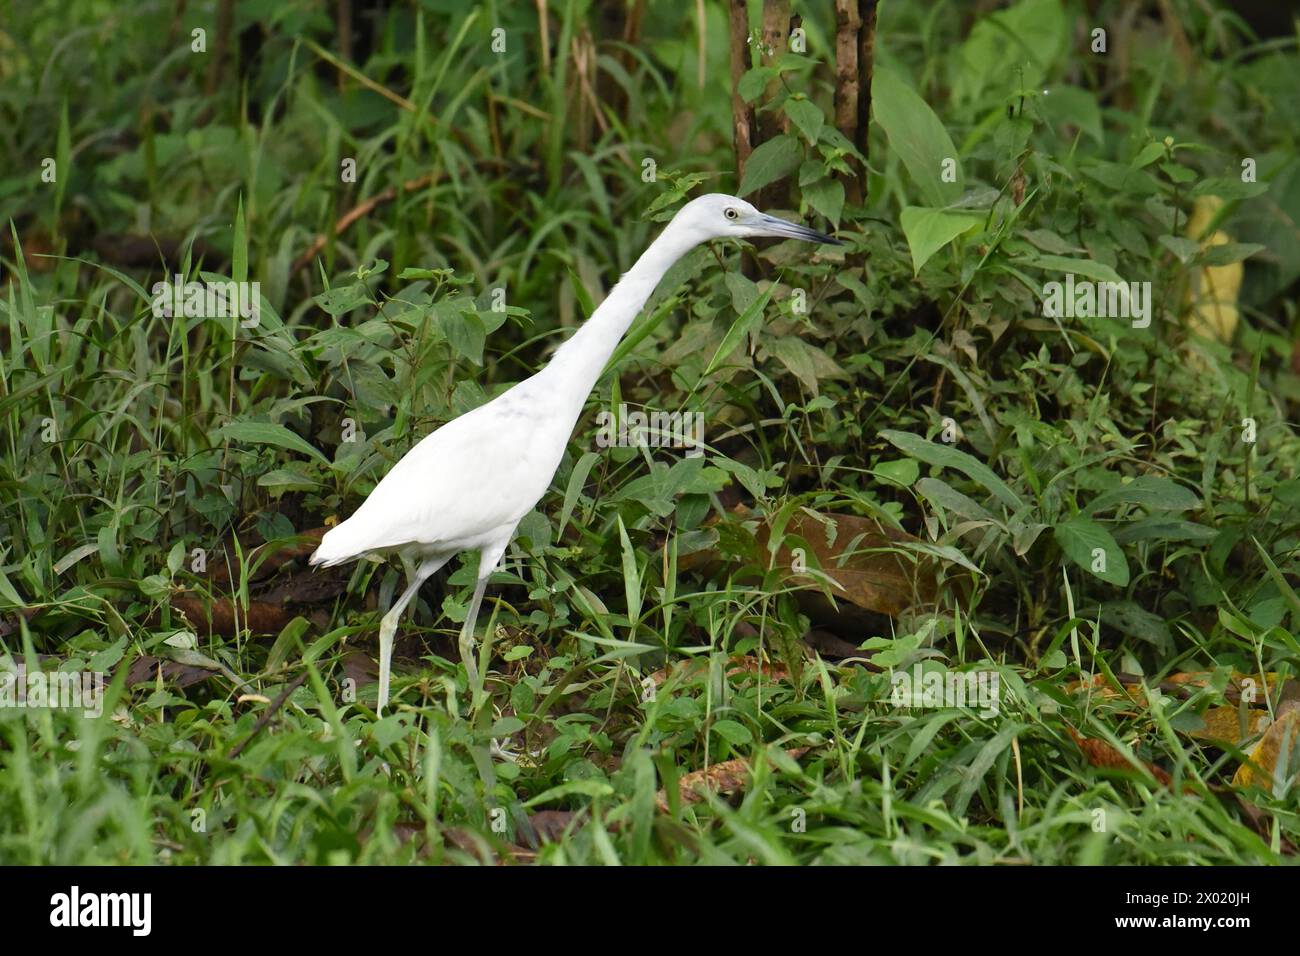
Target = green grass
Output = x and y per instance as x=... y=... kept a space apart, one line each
x=133 y=441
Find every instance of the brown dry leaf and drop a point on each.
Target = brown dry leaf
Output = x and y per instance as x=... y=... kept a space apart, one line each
x=220 y=616
x=1101 y=688
x=144 y=670
x=1238 y=684
x=360 y=666
x=1183 y=684
x=1224 y=724
x=264 y=562
x=730 y=776
x=1282 y=735
x=277 y=600
x=550 y=825
x=861 y=561
x=1102 y=754
x=740 y=664
x=871 y=577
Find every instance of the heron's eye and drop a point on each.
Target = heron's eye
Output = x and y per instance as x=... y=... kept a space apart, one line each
x=732 y=213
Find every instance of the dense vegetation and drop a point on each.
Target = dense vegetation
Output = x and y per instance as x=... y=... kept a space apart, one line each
x=1102 y=514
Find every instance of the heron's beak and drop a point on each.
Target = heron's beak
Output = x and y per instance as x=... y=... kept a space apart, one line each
x=771 y=226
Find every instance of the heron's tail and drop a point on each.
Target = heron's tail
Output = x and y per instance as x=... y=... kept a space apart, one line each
x=336 y=547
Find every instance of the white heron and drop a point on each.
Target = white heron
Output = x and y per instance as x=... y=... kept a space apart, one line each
x=466 y=486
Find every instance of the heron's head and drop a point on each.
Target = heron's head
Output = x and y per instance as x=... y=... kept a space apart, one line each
x=719 y=216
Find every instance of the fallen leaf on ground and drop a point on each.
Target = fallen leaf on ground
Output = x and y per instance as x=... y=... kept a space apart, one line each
x=1281 y=737
x=1183 y=685
x=144 y=670
x=1225 y=724
x=728 y=777
x=740 y=664
x=1102 y=754
x=264 y=560
x=861 y=557
x=221 y=616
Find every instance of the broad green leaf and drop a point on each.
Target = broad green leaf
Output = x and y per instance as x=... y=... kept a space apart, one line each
x=826 y=196
x=1092 y=548
x=465 y=332
x=933 y=453
x=805 y=361
x=1149 y=491
x=1228 y=187
x=1129 y=617
x=265 y=433
x=677 y=188
x=342 y=299
x=282 y=480
x=943 y=495
x=773 y=160
x=1073 y=105
x=904 y=471
x=1164 y=529
x=733 y=732
x=929 y=230
x=1080 y=267
x=743 y=289
x=807 y=116
x=1230 y=252
x=1122 y=178
x=916 y=134
x=754 y=81
x=1148 y=154
x=1185 y=249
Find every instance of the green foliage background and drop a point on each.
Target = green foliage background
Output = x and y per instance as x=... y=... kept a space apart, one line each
x=130 y=439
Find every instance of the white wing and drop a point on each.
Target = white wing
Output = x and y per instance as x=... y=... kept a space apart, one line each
x=477 y=474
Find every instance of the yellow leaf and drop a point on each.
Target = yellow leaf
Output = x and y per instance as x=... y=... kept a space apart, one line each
x=1224 y=723
x=1212 y=292
x=1282 y=736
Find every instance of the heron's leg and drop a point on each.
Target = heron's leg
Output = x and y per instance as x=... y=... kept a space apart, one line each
x=415 y=576
x=467 y=635
x=487 y=562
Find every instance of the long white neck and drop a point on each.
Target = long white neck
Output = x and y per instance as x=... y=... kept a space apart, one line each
x=578 y=363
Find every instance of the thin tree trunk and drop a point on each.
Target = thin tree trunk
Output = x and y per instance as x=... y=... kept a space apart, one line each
x=742 y=118
x=846 y=87
x=776 y=40
x=866 y=61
